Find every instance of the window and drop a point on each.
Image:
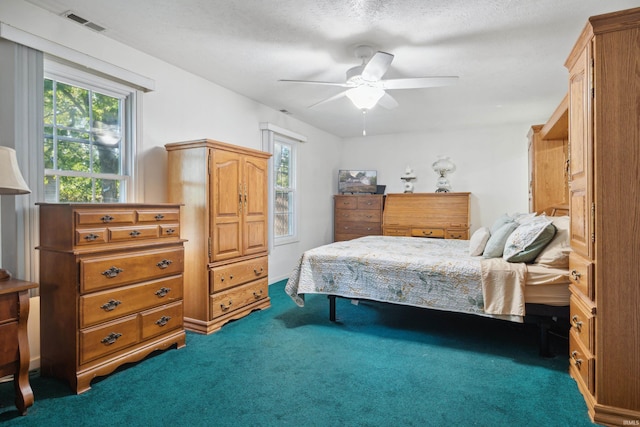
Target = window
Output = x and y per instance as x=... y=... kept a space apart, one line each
x=87 y=137
x=284 y=189
x=283 y=195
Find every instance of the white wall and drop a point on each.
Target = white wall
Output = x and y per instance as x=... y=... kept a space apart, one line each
x=491 y=163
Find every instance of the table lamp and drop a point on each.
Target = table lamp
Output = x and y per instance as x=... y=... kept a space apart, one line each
x=11 y=182
x=443 y=166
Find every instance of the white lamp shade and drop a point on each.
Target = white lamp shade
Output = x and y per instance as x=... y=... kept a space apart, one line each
x=11 y=180
x=365 y=97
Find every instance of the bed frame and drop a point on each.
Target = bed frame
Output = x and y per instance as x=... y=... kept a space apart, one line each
x=545 y=316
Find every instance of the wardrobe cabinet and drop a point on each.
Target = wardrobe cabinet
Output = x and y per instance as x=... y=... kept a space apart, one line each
x=110 y=287
x=224 y=192
x=604 y=94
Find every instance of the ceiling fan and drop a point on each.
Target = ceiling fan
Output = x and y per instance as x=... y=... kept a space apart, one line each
x=365 y=85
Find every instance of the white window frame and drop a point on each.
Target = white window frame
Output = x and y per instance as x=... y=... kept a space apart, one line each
x=67 y=74
x=271 y=134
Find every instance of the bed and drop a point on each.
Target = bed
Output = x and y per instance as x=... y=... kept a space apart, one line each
x=440 y=274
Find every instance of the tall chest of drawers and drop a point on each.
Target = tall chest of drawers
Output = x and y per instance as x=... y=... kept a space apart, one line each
x=357 y=215
x=111 y=286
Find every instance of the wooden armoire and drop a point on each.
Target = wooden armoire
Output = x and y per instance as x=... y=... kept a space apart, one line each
x=224 y=192
x=604 y=201
x=548 y=163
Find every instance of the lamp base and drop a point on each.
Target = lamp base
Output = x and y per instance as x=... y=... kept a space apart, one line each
x=4 y=274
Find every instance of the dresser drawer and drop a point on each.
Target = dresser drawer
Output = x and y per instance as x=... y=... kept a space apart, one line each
x=581 y=274
x=170 y=230
x=119 y=234
x=373 y=203
x=346 y=202
x=91 y=236
x=437 y=233
x=106 y=339
x=233 y=299
x=8 y=348
x=360 y=228
x=103 y=306
x=396 y=231
x=231 y=275
x=8 y=307
x=156 y=216
x=122 y=269
x=161 y=320
x=457 y=234
x=107 y=216
x=358 y=215
x=581 y=361
x=582 y=323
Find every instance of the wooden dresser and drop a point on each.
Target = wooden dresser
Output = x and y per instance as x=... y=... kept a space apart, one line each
x=437 y=215
x=110 y=287
x=604 y=107
x=357 y=215
x=549 y=161
x=14 y=342
x=224 y=189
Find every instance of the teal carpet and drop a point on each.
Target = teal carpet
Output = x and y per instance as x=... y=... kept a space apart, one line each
x=380 y=365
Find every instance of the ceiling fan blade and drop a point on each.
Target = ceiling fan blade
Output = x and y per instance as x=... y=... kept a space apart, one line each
x=387 y=101
x=311 y=82
x=377 y=66
x=419 y=82
x=333 y=98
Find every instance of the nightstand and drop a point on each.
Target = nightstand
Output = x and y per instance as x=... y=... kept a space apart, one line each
x=14 y=342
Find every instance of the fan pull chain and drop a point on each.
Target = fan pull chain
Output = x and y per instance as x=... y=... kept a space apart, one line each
x=364 y=122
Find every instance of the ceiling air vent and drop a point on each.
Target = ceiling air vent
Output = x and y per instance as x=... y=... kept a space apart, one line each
x=82 y=21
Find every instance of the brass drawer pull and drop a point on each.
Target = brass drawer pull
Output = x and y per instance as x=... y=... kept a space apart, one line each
x=162 y=292
x=164 y=263
x=110 y=305
x=576 y=323
x=575 y=275
x=134 y=233
x=107 y=218
x=258 y=272
x=427 y=234
x=159 y=217
x=163 y=320
x=576 y=361
x=226 y=307
x=111 y=338
x=170 y=231
x=257 y=295
x=112 y=272
x=91 y=237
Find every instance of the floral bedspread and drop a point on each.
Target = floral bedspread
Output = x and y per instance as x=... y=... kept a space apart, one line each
x=422 y=272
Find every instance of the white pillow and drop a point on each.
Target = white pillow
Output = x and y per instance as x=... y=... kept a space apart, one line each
x=556 y=253
x=478 y=241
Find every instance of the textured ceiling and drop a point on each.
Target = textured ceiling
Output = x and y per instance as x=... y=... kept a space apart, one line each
x=509 y=54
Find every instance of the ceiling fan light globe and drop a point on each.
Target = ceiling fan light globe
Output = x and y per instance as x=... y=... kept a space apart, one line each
x=365 y=97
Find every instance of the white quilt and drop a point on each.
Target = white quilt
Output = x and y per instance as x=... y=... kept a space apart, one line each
x=422 y=272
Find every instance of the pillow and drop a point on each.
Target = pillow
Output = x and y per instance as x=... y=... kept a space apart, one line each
x=495 y=244
x=523 y=218
x=504 y=219
x=528 y=240
x=556 y=253
x=478 y=241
